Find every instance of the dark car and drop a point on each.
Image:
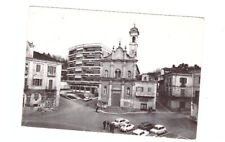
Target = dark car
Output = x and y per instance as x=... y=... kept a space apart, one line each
x=146 y=126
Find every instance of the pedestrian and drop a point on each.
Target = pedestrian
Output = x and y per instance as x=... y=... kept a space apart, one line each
x=97 y=109
x=110 y=127
x=107 y=124
x=113 y=127
x=104 y=124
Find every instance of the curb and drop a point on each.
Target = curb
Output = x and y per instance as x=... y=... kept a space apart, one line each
x=101 y=111
x=122 y=112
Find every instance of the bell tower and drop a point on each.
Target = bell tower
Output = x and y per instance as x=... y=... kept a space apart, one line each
x=134 y=33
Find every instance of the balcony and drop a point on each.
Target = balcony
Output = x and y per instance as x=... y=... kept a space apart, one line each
x=79 y=55
x=77 y=76
x=78 y=62
x=144 y=94
x=51 y=74
x=78 y=69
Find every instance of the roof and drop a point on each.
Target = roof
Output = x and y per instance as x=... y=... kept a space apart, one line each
x=134 y=30
x=86 y=45
x=183 y=69
x=43 y=56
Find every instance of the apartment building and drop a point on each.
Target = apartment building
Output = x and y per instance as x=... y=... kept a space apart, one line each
x=84 y=66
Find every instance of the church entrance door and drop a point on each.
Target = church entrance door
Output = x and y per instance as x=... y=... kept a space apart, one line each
x=116 y=94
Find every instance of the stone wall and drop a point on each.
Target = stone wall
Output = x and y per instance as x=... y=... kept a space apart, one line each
x=40 y=98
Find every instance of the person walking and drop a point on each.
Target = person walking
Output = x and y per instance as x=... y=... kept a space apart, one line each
x=113 y=127
x=107 y=124
x=104 y=124
x=97 y=109
x=110 y=127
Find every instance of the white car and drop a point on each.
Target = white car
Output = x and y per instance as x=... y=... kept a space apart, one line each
x=87 y=99
x=140 y=132
x=120 y=121
x=126 y=127
x=158 y=129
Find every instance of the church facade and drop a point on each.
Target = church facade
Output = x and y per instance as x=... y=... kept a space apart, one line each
x=121 y=84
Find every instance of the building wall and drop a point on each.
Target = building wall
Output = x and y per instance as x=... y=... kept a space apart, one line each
x=124 y=67
x=31 y=74
x=133 y=99
x=196 y=92
x=173 y=86
x=175 y=105
x=194 y=111
x=147 y=96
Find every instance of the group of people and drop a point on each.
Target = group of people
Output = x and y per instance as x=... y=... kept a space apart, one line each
x=108 y=125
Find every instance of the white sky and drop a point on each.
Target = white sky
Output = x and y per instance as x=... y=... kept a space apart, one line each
x=163 y=40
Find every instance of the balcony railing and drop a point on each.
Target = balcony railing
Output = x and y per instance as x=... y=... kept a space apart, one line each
x=144 y=94
x=51 y=74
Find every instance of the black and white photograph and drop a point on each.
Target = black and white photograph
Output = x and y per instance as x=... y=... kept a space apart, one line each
x=113 y=72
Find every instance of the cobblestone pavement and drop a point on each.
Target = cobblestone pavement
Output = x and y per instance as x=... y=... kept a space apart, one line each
x=76 y=115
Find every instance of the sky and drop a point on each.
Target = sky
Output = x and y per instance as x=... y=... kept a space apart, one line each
x=163 y=41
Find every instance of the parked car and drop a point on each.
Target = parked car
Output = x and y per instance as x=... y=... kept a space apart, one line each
x=146 y=126
x=140 y=132
x=87 y=99
x=126 y=127
x=158 y=129
x=120 y=121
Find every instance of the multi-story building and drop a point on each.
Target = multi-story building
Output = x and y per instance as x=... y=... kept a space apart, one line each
x=120 y=84
x=177 y=87
x=42 y=79
x=84 y=66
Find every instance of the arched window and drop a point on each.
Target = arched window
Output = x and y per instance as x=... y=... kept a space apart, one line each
x=105 y=90
x=129 y=74
x=133 y=39
x=128 y=91
x=106 y=73
x=117 y=73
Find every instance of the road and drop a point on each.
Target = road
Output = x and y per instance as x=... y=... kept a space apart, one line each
x=75 y=115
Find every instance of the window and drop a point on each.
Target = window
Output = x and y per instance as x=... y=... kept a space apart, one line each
x=170 y=81
x=105 y=90
x=139 y=89
x=106 y=73
x=183 y=81
x=25 y=82
x=38 y=68
x=117 y=73
x=145 y=78
x=37 y=82
x=129 y=74
x=51 y=70
x=143 y=106
x=182 y=92
x=50 y=84
x=149 y=89
x=26 y=69
x=133 y=39
x=128 y=91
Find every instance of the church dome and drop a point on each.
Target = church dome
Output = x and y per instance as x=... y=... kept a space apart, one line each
x=134 y=30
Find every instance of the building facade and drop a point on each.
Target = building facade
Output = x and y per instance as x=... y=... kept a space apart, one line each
x=84 y=67
x=177 y=87
x=42 y=79
x=196 y=74
x=120 y=85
